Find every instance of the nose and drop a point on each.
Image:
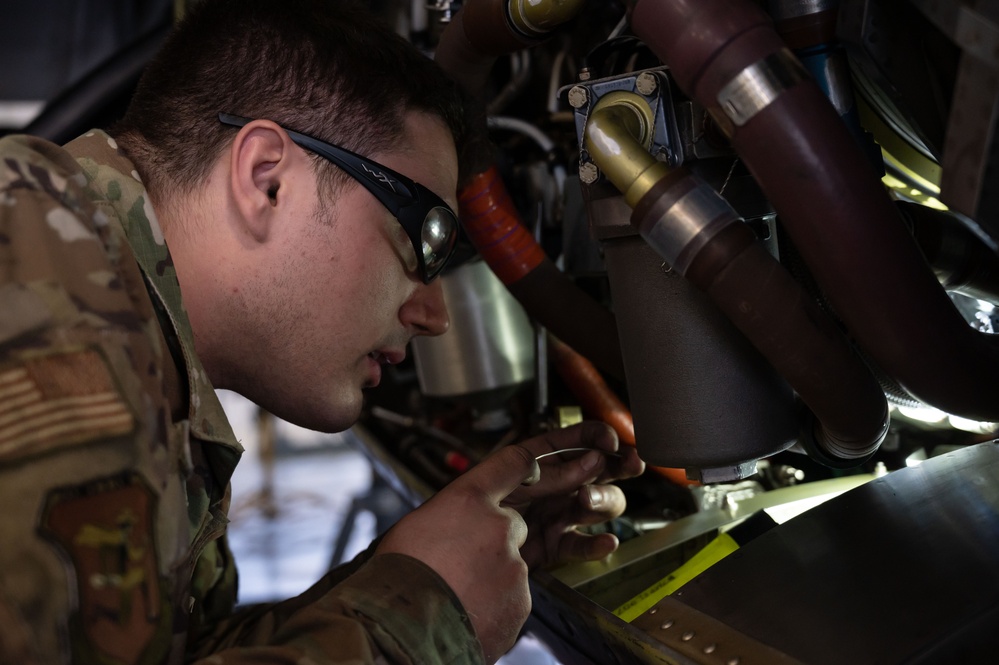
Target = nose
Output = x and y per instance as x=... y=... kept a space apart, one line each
x=425 y=312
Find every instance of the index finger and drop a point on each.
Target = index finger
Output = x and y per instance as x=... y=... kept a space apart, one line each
x=587 y=434
x=501 y=473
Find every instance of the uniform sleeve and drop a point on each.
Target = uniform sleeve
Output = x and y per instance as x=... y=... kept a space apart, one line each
x=97 y=554
x=384 y=608
x=82 y=567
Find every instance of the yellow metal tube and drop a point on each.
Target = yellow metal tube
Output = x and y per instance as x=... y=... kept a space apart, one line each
x=539 y=17
x=617 y=135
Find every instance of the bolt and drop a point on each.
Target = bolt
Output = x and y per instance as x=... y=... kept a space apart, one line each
x=646 y=84
x=578 y=97
x=588 y=172
x=584 y=74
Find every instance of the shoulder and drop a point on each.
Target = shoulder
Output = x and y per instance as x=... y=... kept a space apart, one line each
x=28 y=162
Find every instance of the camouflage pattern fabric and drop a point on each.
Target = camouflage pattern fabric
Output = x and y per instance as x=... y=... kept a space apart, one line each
x=115 y=456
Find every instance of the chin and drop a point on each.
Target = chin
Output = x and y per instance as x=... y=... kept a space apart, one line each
x=332 y=411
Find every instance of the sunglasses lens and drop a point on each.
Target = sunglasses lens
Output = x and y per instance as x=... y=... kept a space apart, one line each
x=440 y=231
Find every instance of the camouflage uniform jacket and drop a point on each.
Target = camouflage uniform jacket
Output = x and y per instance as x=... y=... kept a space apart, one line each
x=115 y=456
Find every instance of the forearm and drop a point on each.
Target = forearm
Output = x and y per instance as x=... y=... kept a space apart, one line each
x=390 y=608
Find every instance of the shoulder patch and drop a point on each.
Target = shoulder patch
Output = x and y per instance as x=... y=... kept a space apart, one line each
x=59 y=400
x=106 y=530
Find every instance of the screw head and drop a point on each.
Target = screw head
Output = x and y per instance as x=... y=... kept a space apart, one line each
x=588 y=172
x=578 y=97
x=646 y=84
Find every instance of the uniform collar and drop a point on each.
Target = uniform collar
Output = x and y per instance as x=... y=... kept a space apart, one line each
x=113 y=180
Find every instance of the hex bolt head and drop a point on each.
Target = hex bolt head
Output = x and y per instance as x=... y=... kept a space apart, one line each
x=646 y=84
x=588 y=172
x=578 y=97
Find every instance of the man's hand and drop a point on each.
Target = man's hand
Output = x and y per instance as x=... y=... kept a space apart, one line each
x=482 y=531
x=572 y=492
x=466 y=534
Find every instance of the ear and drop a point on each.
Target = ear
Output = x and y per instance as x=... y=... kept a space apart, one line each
x=261 y=158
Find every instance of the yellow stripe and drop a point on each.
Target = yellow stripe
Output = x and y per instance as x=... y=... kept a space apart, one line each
x=58 y=403
x=118 y=423
x=53 y=414
x=712 y=553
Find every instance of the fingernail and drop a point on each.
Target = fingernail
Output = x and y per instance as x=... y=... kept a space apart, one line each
x=535 y=475
x=595 y=496
x=590 y=460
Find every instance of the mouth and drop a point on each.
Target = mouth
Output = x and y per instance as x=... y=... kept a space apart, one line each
x=387 y=357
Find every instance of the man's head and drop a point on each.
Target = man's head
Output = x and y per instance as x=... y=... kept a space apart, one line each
x=325 y=68
x=299 y=283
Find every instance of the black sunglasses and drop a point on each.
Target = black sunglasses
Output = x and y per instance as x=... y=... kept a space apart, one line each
x=429 y=221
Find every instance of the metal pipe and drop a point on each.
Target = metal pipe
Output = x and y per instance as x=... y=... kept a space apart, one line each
x=600 y=402
x=699 y=234
x=962 y=262
x=611 y=131
x=493 y=224
x=485 y=29
x=469 y=46
x=537 y=18
x=727 y=56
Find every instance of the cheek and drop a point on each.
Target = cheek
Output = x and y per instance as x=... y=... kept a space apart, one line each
x=403 y=247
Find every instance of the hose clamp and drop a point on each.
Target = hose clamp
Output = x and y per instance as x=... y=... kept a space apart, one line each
x=688 y=225
x=759 y=85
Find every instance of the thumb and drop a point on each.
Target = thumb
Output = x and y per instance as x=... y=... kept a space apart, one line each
x=501 y=473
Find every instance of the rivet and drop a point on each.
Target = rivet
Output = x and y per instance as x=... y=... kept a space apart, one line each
x=732 y=661
x=686 y=637
x=710 y=648
x=668 y=624
x=653 y=610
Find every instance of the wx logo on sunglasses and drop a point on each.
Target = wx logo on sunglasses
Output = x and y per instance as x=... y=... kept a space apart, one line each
x=379 y=176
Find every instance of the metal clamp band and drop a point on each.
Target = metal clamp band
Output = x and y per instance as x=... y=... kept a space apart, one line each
x=759 y=85
x=785 y=9
x=689 y=222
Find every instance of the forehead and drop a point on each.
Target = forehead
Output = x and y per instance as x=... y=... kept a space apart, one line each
x=426 y=153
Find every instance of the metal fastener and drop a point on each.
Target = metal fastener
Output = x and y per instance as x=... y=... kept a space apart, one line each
x=584 y=74
x=588 y=172
x=732 y=661
x=646 y=84
x=653 y=610
x=667 y=625
x=710 y=648
x=578 y=96
x=686 y=637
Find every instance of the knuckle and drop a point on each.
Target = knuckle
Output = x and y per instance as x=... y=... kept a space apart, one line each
x=521 y=453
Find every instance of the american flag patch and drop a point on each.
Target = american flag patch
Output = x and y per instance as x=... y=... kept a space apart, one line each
x=58 y=400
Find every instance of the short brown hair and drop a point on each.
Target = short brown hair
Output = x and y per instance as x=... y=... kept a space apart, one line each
x=328 y=68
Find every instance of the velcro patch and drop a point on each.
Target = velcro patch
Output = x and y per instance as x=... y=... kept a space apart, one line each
x=106 y=530
x=59 y=400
